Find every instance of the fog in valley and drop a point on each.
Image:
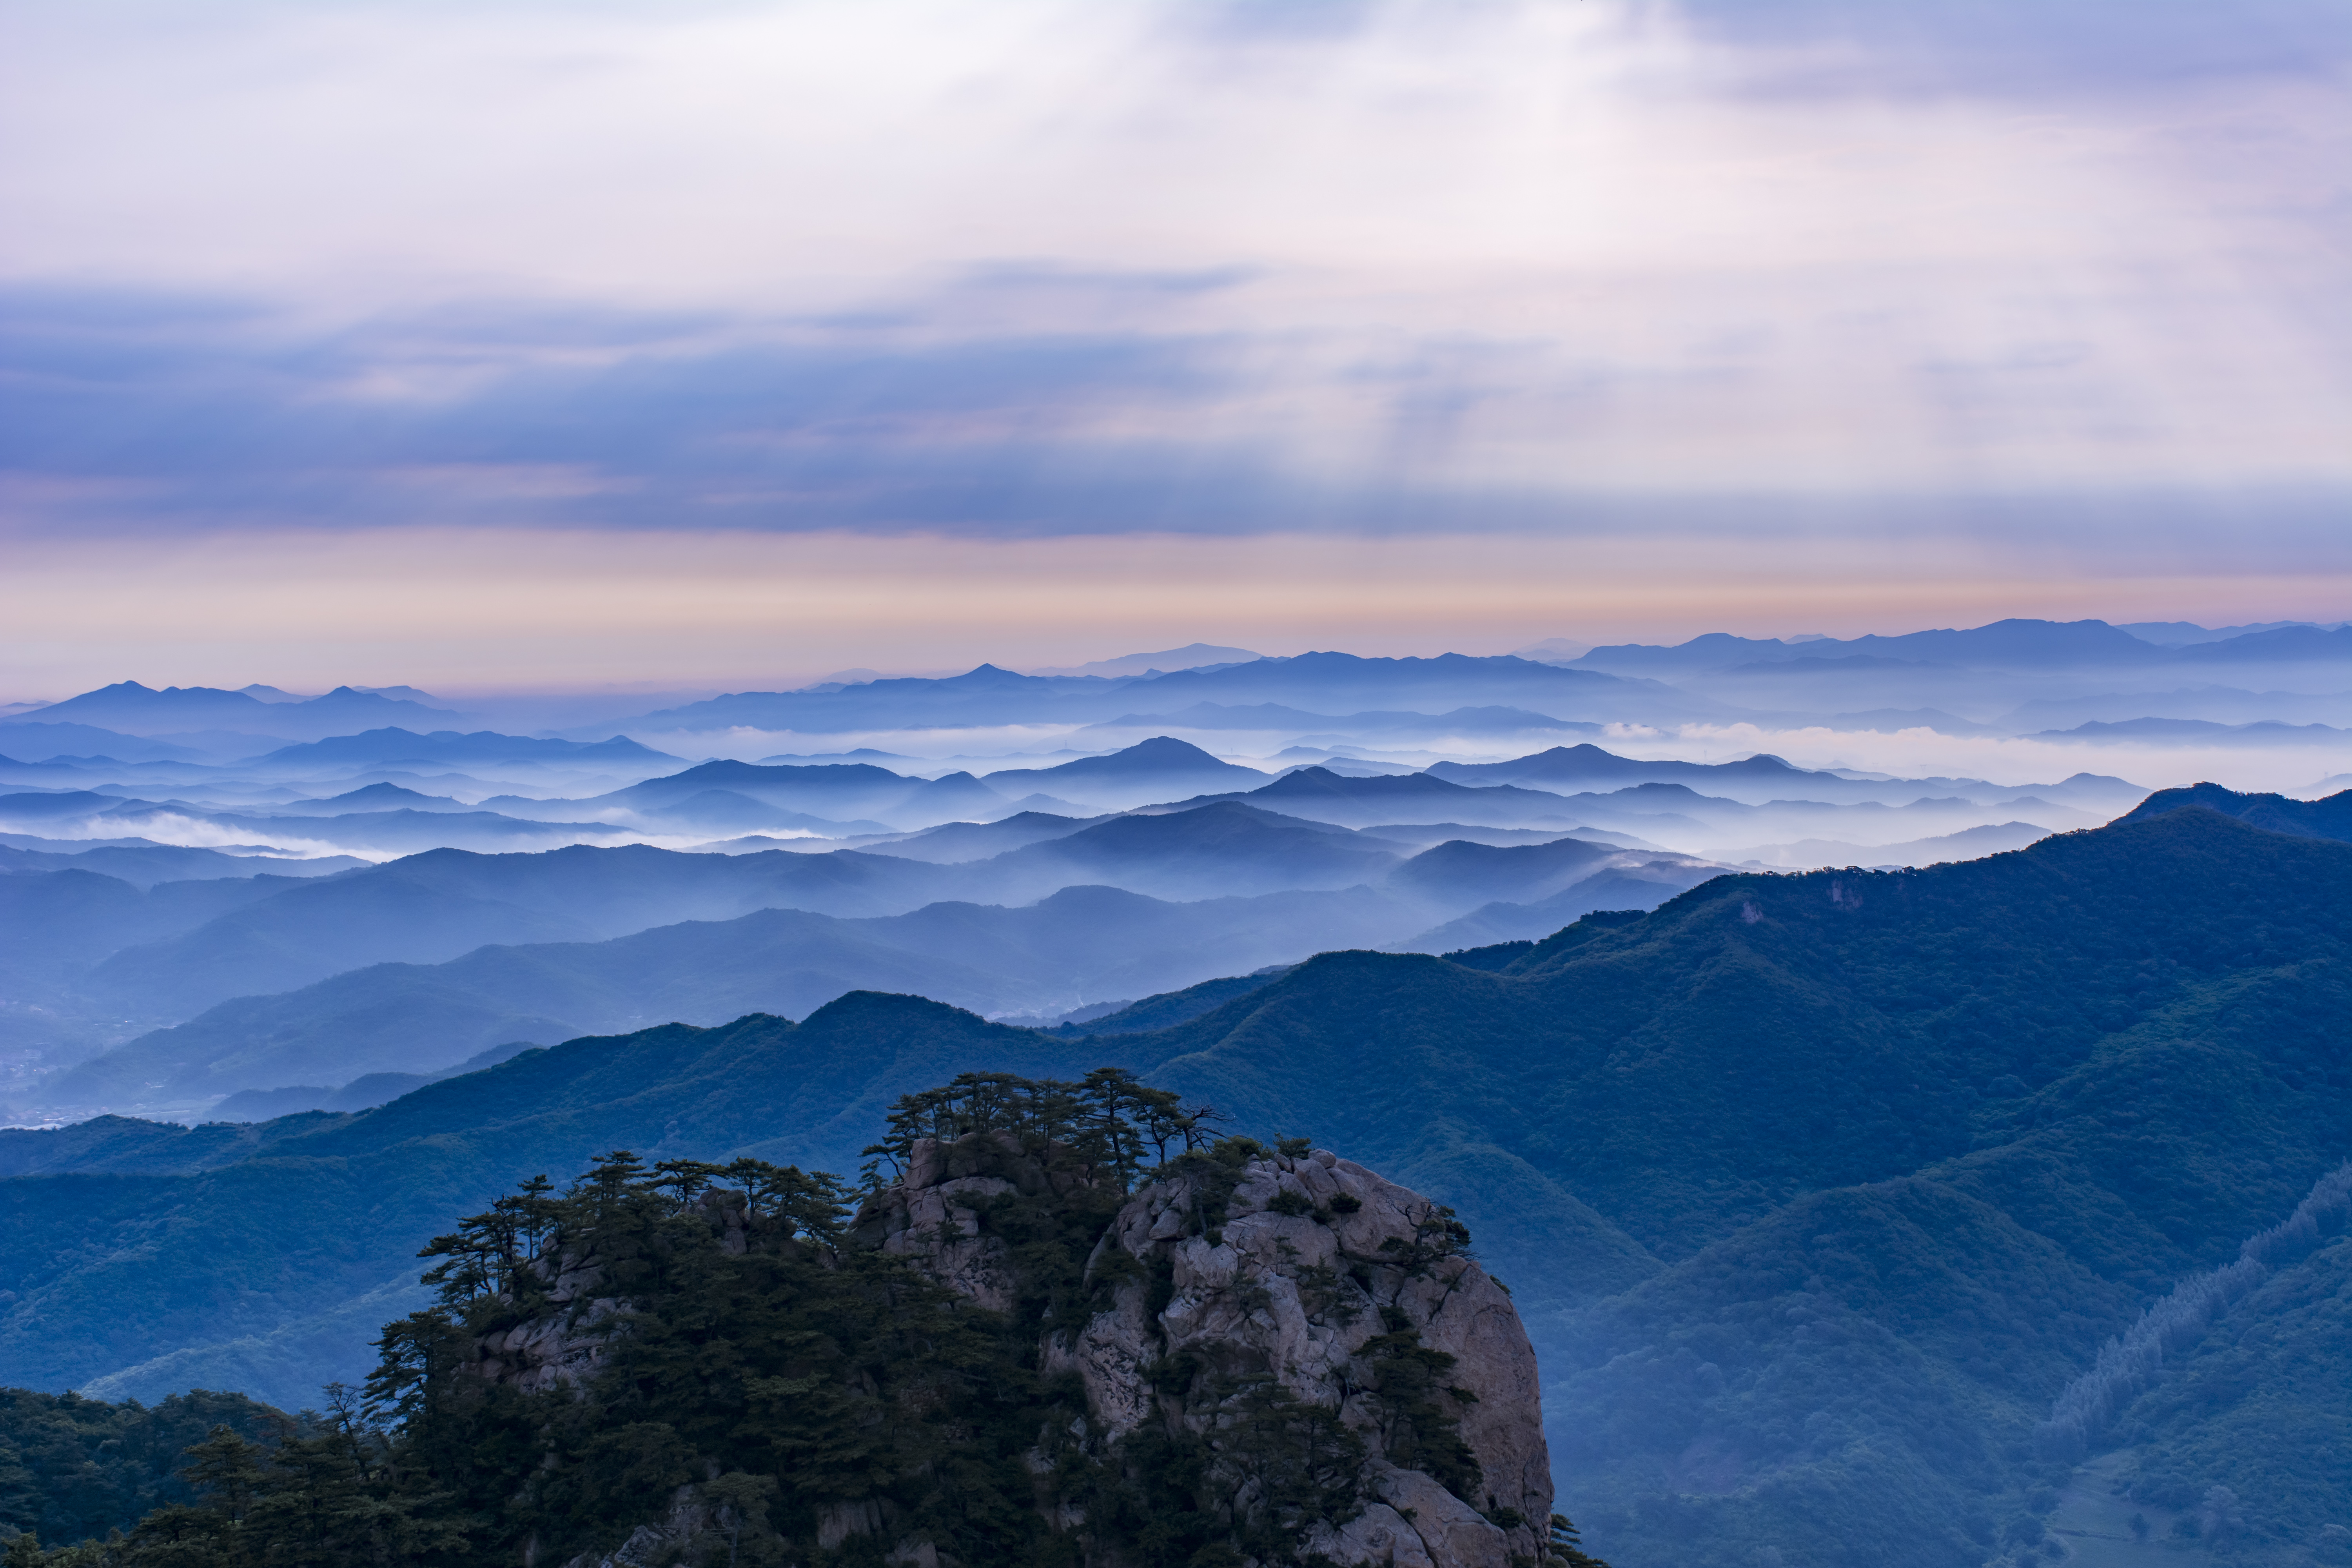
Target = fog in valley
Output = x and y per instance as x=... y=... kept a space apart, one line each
x=239 y=903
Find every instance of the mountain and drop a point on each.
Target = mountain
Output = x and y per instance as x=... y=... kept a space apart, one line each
x=1465 y=873
x=1192 y=656
x=968 y=1360
x=370 y=797
x=392 y=746
x=1209 y=851
x=836 y=791
x=951 y=796
x=956 y=842
x=364 y=1092
x=1816 y=1191
x=984 y=695
x=1162 y=768
x=1424 y=833
x=1639 y=887
x=382 y=1182
x=347 y=708
x=2285 y=645
x=1326 y=796
x=2327 y=818
x=1571 y=769
x=1389 y=727
x=1320 y=681
x=432 y=907
x=1763 y=778
x=2180 y=634
x=310 y=930
x=1630 y=816
x=2216 y=703
x=1846 y=1178
x=79 y=1469
x=1173 y=1007
x=125 y=1145
x=383 y=827
x=145 y=866
x=2002 y=645
x=47 y=775
x=63 y=922
x=397 y=1017
x=137 y=709
x=1077 y=942
x=41 y=741
x=1966 y=844
x=128 y=706
x=1317 y=682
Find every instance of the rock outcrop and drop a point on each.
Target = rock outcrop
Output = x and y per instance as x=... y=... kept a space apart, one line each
x=1251 y=1305
x=1316 y=1272
x=930 y=1215
x=1308 y=1270
x=563 y=1344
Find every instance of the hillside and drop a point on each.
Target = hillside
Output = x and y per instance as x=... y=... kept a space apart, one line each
x=1074 y=934
x=1063 y=1323
x=2327 y=818
x=1814 y=1191
x=405 y=1017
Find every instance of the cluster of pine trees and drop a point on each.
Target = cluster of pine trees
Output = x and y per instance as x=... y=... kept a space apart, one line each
x=816 y=1399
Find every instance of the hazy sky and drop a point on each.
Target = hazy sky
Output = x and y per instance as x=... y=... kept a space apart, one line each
x=487 y=342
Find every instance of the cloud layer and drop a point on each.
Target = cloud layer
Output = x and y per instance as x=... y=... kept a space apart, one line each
x=1977 y=282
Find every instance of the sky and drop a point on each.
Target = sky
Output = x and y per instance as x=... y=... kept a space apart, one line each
x=515 y=344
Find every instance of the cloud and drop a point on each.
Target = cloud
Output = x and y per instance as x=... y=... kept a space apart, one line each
x=2028 y=47
x=2032 y=297
x=156 y=412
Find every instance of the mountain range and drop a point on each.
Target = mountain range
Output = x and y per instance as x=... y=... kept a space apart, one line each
x=2016 y=676
x=1817 y=1191
x=413 y=966
x=212 y=960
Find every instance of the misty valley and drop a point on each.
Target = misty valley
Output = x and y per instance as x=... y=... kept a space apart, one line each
x=1740 y=1104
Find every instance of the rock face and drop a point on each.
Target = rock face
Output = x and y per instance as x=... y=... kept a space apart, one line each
x=564 y=1345
x=1307 y=1269
x=928 y=1215
x=1301 y=1284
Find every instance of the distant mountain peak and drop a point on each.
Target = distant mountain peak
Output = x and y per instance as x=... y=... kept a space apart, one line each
x=1165 y=749
x=1193 y=655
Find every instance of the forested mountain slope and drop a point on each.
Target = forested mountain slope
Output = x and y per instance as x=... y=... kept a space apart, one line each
x=1815 y=1191
x=2330 y=818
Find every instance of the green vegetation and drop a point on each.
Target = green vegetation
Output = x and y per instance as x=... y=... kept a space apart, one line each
x=1814 y=1191
x=750 y=1340
x=73 y=1468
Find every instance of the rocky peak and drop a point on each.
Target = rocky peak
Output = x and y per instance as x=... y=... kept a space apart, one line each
x=561 y=1343
x=1351 y=1295
x=1344 y=1380
x=1355 y=1296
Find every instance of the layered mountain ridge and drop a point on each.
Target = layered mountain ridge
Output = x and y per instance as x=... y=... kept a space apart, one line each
x=1814 y=1192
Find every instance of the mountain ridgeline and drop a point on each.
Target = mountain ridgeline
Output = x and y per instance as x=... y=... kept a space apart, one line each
x=1818 y=1197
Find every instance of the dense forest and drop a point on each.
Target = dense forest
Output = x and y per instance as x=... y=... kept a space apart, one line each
x=765 y=1364
x=73 y=1468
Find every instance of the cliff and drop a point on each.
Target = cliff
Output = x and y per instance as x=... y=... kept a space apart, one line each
x=1354 y=1296
x=1307 y=1350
